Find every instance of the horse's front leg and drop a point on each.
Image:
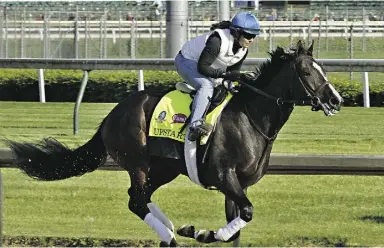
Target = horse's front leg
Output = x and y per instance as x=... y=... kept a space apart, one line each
x=231 y=212
x=229 y=185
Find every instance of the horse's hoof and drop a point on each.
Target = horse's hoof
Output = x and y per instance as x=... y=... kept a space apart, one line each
x=165 y=244
x=205 y=236
x=186 y=231
x=173 y=243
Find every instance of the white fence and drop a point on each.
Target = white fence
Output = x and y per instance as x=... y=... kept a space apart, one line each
x=331 y=65
x=113 y=39
x=154 y=29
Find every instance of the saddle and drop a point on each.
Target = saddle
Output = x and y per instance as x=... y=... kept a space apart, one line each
x=219 y=94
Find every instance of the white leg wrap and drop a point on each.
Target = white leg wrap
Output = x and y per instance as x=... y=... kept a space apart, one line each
x=156 y=211
x=226 y=232
x=164 y=233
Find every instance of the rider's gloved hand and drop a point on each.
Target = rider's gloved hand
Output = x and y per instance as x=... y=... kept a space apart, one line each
x=231 y=75
x=248 y=77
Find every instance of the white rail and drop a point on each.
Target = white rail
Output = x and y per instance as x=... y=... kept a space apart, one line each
x=331 y=65
x=147 y=29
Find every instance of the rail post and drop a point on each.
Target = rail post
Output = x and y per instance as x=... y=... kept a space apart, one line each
x=78 y=102
x=366 y=90
x=1 y=210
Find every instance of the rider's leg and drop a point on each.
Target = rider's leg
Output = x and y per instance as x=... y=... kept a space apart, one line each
x=187 y=69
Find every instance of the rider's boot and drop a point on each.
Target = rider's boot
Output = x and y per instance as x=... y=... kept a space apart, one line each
x=198 y=129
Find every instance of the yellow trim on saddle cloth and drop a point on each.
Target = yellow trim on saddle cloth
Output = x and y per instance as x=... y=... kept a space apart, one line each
x=171 y=113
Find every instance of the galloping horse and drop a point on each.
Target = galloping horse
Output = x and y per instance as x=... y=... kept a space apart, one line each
x=236 y=157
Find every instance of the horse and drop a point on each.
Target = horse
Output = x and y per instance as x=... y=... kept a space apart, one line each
x=235 y=158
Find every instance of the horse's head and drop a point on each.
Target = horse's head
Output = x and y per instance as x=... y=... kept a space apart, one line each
x=293 y=75
x=313 y=81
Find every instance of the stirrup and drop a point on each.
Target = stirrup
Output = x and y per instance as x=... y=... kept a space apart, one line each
x=198 y=129
x=230 y=86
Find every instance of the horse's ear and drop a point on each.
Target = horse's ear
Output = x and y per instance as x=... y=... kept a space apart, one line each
x=299 y=48
x=310 y=48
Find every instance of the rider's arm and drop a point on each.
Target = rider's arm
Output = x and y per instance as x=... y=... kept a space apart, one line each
x=208 y=55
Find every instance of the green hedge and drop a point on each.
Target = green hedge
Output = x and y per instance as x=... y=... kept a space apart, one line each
x=114 y=86
x=352 y=91
x=63 y=85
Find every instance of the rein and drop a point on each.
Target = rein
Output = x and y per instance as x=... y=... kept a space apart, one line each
x=312 y=94
x=279 y=100
x=258 y=129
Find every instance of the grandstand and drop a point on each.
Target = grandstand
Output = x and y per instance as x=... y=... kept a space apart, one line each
x=202 y=10
x=140 y=10
x=338 y=10
x=351 y=10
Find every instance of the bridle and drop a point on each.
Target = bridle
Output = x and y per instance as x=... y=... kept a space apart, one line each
x=313 y=95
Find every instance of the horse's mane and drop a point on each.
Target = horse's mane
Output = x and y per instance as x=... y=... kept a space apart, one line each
x=268 y=69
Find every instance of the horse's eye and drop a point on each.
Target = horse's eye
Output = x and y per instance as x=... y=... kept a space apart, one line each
x=306 y=74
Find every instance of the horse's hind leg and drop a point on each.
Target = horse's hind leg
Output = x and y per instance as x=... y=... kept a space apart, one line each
x=138 y=193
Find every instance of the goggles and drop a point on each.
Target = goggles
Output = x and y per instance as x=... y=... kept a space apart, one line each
x=248 y=36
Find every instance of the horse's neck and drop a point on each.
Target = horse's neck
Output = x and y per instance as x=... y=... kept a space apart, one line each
x=265 y=114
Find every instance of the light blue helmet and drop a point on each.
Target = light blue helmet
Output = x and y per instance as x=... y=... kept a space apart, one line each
x=247 y=22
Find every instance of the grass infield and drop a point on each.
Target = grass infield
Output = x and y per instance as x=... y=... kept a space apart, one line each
x=288 y=210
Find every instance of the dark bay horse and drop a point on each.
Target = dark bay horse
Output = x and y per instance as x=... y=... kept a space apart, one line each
x=237 y=155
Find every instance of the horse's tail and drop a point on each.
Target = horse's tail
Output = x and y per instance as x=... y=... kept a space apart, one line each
x=50 y=160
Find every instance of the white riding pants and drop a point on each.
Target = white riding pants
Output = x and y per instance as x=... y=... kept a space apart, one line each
x=187 y=69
